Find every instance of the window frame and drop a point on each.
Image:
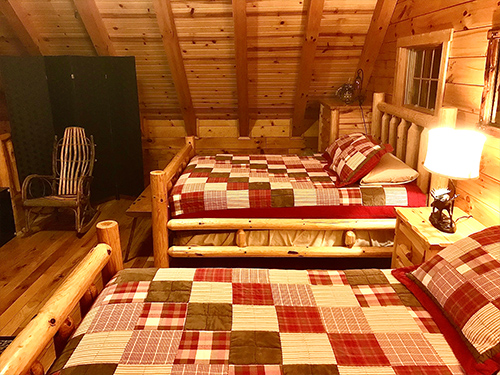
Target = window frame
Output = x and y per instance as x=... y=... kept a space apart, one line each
x=490 y=103
x=403 y=47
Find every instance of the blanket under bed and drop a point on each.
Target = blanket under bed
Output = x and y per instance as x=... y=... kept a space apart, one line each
x=291 y=186
x=257 y=321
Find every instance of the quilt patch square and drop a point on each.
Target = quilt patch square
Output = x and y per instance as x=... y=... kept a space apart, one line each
x=254 y=370
x=255 y=347
x=307 y=348
x=344 y=320
x=376 y=295
x=310 y=370
x=250 y=275
x=159 y=316
x=408 y=349
x=322 y=277
x=299 y=319
x=255 y=318
x=357 y=349
x=203 y=347
x=169 y=291
x=151 y=347
x=209 y=317
x=252 y=294
x=463 y=303
x=422 y=370
x=366 y=277
x=390 y=319
x=334 y=296
x=211 y=292
x=197 y=368
x=116 y=317
x=292 y=294
x=424 y=320
x=222 y=275
x=277 y=276
x=130 y=292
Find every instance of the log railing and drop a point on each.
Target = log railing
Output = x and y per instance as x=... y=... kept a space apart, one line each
x=21 y=355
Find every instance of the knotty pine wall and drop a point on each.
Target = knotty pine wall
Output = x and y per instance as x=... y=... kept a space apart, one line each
x=162 y=138
x=471 y=21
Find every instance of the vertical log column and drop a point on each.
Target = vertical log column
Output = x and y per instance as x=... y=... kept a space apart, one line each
x=108 y=233
x=378 y=97
x=159 y=217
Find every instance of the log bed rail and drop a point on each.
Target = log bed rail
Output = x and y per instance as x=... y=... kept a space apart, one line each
x=405 y=129
x=20 y=357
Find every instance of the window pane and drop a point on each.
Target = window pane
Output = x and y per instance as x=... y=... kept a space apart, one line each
x=423 y=94
x=427 y=63
x=414 y=93
x=436 y=63
x=418 y=63
x=432 y=95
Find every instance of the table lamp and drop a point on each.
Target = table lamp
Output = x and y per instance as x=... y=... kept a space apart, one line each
x=452 y=153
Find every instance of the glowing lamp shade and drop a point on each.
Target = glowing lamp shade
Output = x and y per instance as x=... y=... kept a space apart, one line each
x=454 y=153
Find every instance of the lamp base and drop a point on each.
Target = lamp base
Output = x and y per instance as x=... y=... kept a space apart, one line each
x=442 y=222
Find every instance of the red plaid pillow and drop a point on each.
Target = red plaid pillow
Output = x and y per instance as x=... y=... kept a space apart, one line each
x=353 y=156
x=463 y=280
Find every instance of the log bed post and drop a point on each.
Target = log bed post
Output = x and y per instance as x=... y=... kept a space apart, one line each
x=159 y=217
x=33 y=339
x=108 y=233
x=378 y=97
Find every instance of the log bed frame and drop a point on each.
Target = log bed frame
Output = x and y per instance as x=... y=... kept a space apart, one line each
x=405 y=129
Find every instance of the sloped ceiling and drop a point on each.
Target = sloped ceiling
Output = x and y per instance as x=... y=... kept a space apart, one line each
x=194 y=59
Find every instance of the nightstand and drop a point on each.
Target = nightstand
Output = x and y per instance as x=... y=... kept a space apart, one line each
x=417 y=240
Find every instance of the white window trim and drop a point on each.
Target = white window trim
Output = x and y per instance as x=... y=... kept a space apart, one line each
x=404 y=44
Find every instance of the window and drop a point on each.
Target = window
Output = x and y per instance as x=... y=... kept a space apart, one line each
x=490 y=103
x=423 y=77
x=420 y=70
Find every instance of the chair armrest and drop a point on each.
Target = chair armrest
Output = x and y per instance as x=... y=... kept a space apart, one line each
x=83 y=187
x=46 y=180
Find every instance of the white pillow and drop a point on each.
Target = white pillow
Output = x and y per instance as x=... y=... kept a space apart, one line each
x=390 y=170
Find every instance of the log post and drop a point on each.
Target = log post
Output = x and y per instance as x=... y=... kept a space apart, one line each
x=350 y=238
x=159 y=216
x=241 y=238
x=393 y=132
x=402 y=139
x=62 y=336
x=190 y=140
x=108 y=233
x=335 y=125
x=88 y=299
x=384 y=132
x=378 y=97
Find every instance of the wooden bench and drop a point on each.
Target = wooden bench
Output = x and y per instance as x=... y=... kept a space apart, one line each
x=140 y=208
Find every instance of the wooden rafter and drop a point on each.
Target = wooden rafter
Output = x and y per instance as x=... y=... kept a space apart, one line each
x=306 y=66
x=240 y=40
x=20 y=22
x=376 y=33
x=91 y=18
x=165 y=18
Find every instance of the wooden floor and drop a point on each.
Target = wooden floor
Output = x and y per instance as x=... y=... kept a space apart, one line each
x=33 y=266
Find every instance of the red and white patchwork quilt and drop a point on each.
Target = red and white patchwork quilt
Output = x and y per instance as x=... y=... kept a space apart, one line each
x=256 y=321
x=228 y=182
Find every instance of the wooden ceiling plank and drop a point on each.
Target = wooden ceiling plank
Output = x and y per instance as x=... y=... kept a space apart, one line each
x=240 y=41
x=19 y=20
x=165 y=18
x=375 y=37
x=91 y=18
x=314 y=15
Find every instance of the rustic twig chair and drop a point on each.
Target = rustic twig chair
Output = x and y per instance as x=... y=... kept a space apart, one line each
x=69 y=185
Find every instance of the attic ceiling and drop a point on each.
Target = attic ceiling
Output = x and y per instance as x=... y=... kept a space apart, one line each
x=194 y=59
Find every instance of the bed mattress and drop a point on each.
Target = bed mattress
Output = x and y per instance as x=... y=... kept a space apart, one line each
x=280 y=186
x=256 y=321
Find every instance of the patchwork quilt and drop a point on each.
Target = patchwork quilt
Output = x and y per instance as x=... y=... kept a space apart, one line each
x=256 y=321
x=225 y=182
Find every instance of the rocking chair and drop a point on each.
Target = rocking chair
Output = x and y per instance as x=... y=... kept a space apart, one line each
x=69 y=185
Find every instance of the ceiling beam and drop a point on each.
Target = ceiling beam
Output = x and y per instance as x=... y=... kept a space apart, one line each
x=165 y=18
x=240 y=41
x=19 y=21
x=314 y=13
x=375 y=37
x=92 y=20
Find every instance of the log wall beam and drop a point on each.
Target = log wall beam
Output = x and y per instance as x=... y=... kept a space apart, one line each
x=305 y=72
x=240 y=41
x=91 y=18
x=375 y=37
x=165 y=18
x=19 y=20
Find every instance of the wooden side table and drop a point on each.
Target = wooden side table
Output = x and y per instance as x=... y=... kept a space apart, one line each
x=417 y=240
x=140 y=208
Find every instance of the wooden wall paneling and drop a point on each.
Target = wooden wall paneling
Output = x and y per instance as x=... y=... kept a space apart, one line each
x=168 y=31
x=240 y=41
x=308 y=52
x=20 y=22
x=375 y=36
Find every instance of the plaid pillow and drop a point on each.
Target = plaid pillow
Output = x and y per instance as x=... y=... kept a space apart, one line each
x=463 y=280
x=353 y=156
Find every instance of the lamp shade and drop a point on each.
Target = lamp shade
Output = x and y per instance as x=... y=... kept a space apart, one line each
x=454 y=153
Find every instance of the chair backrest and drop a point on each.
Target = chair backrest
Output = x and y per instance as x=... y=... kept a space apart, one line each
x=73 y=158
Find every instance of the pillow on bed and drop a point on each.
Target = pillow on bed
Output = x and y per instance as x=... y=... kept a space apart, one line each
x=342 y=141
x=354 y=156
x=390 y=170
x=463 y=280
